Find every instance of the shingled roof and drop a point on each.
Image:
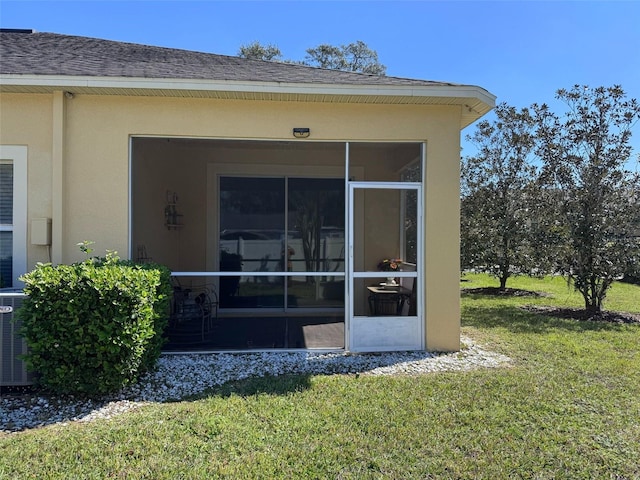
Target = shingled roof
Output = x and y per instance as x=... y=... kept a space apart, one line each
x=55 y=54
x=75 y=64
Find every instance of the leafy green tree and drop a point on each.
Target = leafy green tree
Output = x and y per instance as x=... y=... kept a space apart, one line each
x=595 y=198
x=256 y=51
x=632 y=272
x=354 y=57
x=497 y=189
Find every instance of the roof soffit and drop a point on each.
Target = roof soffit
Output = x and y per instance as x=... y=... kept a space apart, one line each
x=475 y=101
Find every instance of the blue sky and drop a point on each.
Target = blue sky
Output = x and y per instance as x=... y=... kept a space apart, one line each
x=521 y=51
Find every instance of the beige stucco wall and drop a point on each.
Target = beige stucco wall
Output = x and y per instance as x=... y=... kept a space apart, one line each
x=27 y=120
x=94 y=161
x=442 y=236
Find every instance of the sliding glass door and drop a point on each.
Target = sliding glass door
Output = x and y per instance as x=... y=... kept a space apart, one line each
x=284 y=237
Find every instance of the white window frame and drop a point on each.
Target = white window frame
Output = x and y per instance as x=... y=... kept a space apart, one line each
x=17 y=156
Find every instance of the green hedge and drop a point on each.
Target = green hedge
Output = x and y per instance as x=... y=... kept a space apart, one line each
x=94 y=327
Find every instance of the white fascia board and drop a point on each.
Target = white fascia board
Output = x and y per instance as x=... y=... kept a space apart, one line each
x=69 y=82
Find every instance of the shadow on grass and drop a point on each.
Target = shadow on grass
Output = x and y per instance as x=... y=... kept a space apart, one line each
x=25 y=406
x=56 y=412
x=518 y=320
x=268 y=385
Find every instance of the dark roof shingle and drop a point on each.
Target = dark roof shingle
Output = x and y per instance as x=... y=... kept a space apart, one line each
x=37 y=53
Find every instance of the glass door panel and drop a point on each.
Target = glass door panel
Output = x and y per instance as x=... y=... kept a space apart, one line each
x=252 y=239
x=315 y=242
x=316 y=224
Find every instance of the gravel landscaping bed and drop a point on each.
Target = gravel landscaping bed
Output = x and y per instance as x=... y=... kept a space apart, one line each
x=179 y=376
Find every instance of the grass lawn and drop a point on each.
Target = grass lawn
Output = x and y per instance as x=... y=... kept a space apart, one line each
x=567 y=407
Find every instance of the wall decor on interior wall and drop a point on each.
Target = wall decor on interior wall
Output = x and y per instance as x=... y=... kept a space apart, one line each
x=172 y=219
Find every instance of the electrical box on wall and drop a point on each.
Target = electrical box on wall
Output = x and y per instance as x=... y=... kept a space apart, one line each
x=41 y=231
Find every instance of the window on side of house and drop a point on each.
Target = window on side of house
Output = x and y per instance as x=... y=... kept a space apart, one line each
x=13 y=215
x=6 y=223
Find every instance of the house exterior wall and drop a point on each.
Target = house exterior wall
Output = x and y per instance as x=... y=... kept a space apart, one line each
x=81 y=145
x=26 y=120
x=442 y=239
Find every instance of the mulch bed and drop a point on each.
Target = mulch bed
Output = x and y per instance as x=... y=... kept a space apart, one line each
x=569 y=313
x=581 y=314
x=507 y=292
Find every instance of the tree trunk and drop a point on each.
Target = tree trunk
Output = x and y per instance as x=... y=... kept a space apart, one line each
x=503 y=281
x=591 y=305
x=505 y=263
x=594 y=291
x=592 y=310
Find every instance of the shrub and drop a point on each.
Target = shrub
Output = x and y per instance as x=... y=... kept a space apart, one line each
x=161 y=307
x=94 y=326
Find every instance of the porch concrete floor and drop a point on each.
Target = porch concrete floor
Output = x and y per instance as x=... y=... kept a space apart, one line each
x=248 y=333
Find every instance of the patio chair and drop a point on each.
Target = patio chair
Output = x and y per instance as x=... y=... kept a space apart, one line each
x=194 y=304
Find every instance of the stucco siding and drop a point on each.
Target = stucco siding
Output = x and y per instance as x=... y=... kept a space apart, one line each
x=96 y=135
x=442 y=237
x=27 y=120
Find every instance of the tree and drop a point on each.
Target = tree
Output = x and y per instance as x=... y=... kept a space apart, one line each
x=354 y=57
x=632 y=271
x=496 y=188
x=257 y=51
x=584 y=155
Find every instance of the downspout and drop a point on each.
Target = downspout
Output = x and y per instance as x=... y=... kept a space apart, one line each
x=57 y=176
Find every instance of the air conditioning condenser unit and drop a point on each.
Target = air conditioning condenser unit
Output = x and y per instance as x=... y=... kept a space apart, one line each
x=13 y=371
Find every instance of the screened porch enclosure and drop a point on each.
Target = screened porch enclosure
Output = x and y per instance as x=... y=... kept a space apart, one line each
x=257 y=235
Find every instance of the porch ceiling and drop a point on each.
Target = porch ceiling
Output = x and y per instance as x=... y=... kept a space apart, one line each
x=474 y=101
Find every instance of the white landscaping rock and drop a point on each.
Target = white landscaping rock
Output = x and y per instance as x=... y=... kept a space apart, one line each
x=178 y=376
